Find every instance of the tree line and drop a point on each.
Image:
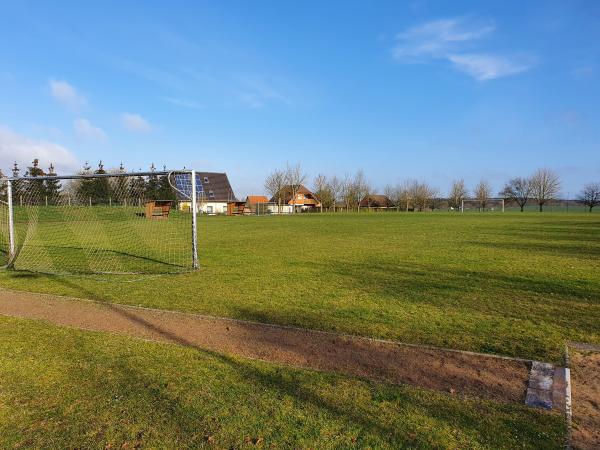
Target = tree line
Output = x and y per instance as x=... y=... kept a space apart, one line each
x=347 y=193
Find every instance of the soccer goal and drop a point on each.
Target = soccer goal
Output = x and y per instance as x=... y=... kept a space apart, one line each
x=490 y=204
x=120 y=222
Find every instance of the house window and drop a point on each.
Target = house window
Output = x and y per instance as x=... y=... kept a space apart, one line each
x=211 y=194
x=206 y=179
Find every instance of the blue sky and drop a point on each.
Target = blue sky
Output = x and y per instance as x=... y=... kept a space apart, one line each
x=403 y=90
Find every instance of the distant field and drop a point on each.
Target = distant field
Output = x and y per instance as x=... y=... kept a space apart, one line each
x=512 y=283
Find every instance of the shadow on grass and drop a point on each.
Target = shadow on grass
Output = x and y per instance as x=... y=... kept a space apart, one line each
x=78 y=253
x=393 y=280
x=587 y=251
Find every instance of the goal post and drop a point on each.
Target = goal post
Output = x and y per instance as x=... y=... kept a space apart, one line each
x=141 y=222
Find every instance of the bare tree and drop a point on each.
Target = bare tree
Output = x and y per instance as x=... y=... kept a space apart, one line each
x=482 y=193
x=320 y=186
x=458 y=192
x=390 y=192
x=324 y=191
x=518 y=190
x=274 y=185
x=590 y=195
x=421 y=194
x=545 y=185
x=347 y=191
x=335 y=187
x=294 y=177
x=404 y=194
x=361 y=189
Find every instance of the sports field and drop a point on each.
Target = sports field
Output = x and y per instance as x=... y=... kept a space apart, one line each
x=513 y=284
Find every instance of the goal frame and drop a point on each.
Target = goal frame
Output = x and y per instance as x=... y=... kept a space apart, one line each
x=11 y=220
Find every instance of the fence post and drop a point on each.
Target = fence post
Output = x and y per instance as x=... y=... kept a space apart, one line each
x=11 y=225
x=462 y=206
x=194 y=226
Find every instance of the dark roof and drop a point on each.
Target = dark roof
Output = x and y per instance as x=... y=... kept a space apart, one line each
x=212 y=186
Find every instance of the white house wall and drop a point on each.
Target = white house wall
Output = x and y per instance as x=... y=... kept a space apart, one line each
x=206 y=207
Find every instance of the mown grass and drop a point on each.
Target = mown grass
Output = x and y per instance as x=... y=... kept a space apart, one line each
x=514 y=284
x=64 y=388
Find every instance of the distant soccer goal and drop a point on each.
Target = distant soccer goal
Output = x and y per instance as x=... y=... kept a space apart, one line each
x=489 y=205
x=100 y=223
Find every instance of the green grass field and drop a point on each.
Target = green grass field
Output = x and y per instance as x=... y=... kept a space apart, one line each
x=514 y=284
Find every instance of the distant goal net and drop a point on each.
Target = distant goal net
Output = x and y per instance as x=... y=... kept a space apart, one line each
x=100 y=223
x=489 y=205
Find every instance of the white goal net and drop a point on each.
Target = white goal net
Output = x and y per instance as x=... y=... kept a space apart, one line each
x=99 y=223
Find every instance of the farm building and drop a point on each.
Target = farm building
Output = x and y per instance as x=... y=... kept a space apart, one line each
x=302 y=200
x=214 y=194
x=376 y=201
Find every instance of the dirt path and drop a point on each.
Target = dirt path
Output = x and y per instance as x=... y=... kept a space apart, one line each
x=585 y=378
x=455 y=372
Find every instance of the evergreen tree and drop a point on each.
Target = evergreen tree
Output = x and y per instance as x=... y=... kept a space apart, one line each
x=152 y=186
x=2 y=187
x=100 y=186
x=36 y=189
x=165 y=190
x=85 y=187
x=17 y=185
x=120 y=187
x=137 y=189
x=52 y=186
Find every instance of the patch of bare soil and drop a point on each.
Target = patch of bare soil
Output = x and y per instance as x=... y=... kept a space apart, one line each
x=457 y=373
x=585 y=392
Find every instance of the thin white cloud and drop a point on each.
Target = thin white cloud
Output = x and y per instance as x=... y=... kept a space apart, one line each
x=67 y=95
x=84 y=129
x=488 y=67
x=452 y=40
x=256 y=93
x=438 y=37
x=135 y=122
x=23 y=150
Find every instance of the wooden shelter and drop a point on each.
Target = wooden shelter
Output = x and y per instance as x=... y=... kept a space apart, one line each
x=235 y=208
x=158 y=209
